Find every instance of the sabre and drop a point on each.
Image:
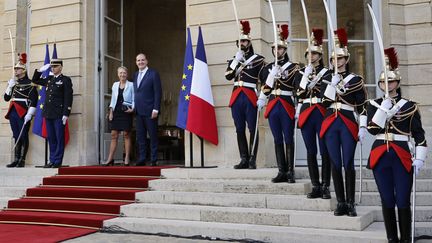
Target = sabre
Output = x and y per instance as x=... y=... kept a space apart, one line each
x=237 y=21
x=19 y=136
x=330 y=25
x=255 y=134
x=13 y=53
x=381 y=47
x=413 y=205
x=274 y=33
x=307 y=32
x=361 y=173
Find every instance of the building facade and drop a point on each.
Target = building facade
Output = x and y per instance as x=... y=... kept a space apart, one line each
x=95 y=37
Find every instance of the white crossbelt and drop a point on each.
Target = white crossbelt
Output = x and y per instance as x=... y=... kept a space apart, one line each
x=392 y=137
x=244 y=84
x=281 y=92
x=341 y=106
x=20 y=99
x=313 y=100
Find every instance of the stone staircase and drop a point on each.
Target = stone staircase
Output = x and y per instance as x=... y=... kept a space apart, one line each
x=15 y=181
x=245 y=205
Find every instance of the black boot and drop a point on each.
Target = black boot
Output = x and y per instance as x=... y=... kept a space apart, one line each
x=405 y=224
x=281 y=163
x=244 y=153
x=25 y=146
x=290 y=161
x=314 y=176
x=17 y=155
x=325 y=173
x=390 y=224
x=350 y=180
x=252 y=158
x=341 y=208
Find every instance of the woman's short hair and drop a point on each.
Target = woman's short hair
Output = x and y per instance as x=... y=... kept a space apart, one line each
x=122 y=67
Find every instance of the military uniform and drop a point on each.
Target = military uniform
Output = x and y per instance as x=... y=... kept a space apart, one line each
x=58 y=104
x=311 y=113
x=22 y=97
x=391 y=160
x=340 y=130
x=243 y=101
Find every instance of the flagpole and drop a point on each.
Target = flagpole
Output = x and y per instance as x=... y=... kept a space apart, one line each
x=202 y=151
x=191 y=148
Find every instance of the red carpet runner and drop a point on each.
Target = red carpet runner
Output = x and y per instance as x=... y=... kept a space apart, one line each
x=73 y=203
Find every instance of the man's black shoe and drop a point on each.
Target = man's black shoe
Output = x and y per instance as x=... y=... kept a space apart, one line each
x=49 y=165
x=56 y=166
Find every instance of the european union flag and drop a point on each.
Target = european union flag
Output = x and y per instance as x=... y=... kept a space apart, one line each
x=39 y=122
x=184 y=96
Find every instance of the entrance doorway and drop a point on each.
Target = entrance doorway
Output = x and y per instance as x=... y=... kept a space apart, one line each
x=157 y=29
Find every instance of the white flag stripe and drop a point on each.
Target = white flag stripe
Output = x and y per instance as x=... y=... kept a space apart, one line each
x=201 y=86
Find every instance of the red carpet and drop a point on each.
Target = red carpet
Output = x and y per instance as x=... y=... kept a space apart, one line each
x=73 y=203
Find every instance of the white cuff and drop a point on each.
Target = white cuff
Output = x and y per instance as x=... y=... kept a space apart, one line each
x=421 y=152
x=363 y=121
x=330 y=92
x=31 y=111
x=262 y=96
x=155 y=111
x=380 y=118
x=270 y=80
x=233 y=64
x=8 y=90
x=304 y=81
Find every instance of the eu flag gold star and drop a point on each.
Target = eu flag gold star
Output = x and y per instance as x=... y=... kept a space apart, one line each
x=41 y=106
x=184 y=76
x=187 y=97
x=39 y=97
x=183 y=87
x=189 y=67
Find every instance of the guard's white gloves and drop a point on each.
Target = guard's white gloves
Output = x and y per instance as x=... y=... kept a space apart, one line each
x=64 y=120
x=239 y=56
x=335 y=80
x=362 y=134
x=44 y=68
x=261 y=101
x=418 y=164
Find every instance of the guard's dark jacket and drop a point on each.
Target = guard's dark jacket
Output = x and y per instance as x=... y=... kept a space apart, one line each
x=59 y=95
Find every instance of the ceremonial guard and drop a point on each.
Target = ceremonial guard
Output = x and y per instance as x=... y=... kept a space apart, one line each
x=394 y=120
x=23 y=98
x=310 y=114
x=344 y=99
x=56 y=108
x=245 y=69
x=280 y=111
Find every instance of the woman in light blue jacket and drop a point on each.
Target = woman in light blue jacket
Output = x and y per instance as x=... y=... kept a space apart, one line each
x=120 y=114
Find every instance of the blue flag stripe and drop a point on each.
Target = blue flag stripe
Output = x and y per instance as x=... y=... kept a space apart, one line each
x=200 y=52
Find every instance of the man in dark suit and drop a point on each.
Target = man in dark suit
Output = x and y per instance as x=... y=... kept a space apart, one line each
x=56 y=109
x=147 y=88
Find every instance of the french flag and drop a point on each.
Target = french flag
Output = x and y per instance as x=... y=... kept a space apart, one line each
x=202 y=117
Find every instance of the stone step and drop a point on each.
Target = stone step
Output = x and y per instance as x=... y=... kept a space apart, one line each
x=12 y=191
x=258 y=216
x=4 y=201
x=288 y=202
x=21 y=180
x=231 y=186
x=27 y=171
x=229 y=231
x=422 y=228
x=373 y=199
x=258 y=174
x=423 y=213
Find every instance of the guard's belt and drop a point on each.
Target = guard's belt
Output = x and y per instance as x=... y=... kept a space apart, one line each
x=279 y=92
x=392 y=137
x=20 y=99
x=313 y=100
x=244 y=84
x=340 y=106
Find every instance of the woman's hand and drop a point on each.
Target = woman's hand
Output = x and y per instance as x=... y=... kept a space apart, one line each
x=130 y=110
x=110 y=116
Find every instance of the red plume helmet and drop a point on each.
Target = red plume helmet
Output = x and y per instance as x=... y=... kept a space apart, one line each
x=284 y=32
x=392 y=65
x=22 y=60
x=341 y=41
x=245 y=30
